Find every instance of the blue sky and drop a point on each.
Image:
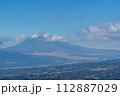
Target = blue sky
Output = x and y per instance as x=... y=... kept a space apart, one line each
x=55 y=16
x=30 y=16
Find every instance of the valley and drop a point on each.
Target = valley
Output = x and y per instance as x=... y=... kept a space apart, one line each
x=108 y=70
x=37 y=58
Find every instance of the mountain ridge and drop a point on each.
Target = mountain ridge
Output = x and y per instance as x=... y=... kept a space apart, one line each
x=39 y=44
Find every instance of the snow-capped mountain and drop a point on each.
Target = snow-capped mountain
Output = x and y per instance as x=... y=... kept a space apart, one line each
x=41 y=45
x=46 y=36
x=40 y=35
x=39 y=50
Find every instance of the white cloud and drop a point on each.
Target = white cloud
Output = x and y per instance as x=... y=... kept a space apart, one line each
x=58 y=38
x=3 y=39
x=21 y=37
x=110 y=31
x=48 y=37
x=7 y=42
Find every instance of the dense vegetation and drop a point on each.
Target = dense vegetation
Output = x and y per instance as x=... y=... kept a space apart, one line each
x=107 y=70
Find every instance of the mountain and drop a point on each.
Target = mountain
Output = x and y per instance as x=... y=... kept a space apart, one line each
x=40 y=45
x=18 y=60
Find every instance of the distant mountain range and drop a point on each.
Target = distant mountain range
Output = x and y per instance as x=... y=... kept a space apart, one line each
x=38 y=50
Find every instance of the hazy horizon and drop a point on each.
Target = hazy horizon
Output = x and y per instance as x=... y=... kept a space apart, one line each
x=88 y=23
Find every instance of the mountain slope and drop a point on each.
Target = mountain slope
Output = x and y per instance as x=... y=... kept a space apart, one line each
x=12 y=60
x=39 y=45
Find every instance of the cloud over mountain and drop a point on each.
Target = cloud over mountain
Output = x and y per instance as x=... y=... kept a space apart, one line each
x=48 y=37
x=7 y=42
x=106 y=32
x=3 y=39
x=58 y=38
x=21 y=37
